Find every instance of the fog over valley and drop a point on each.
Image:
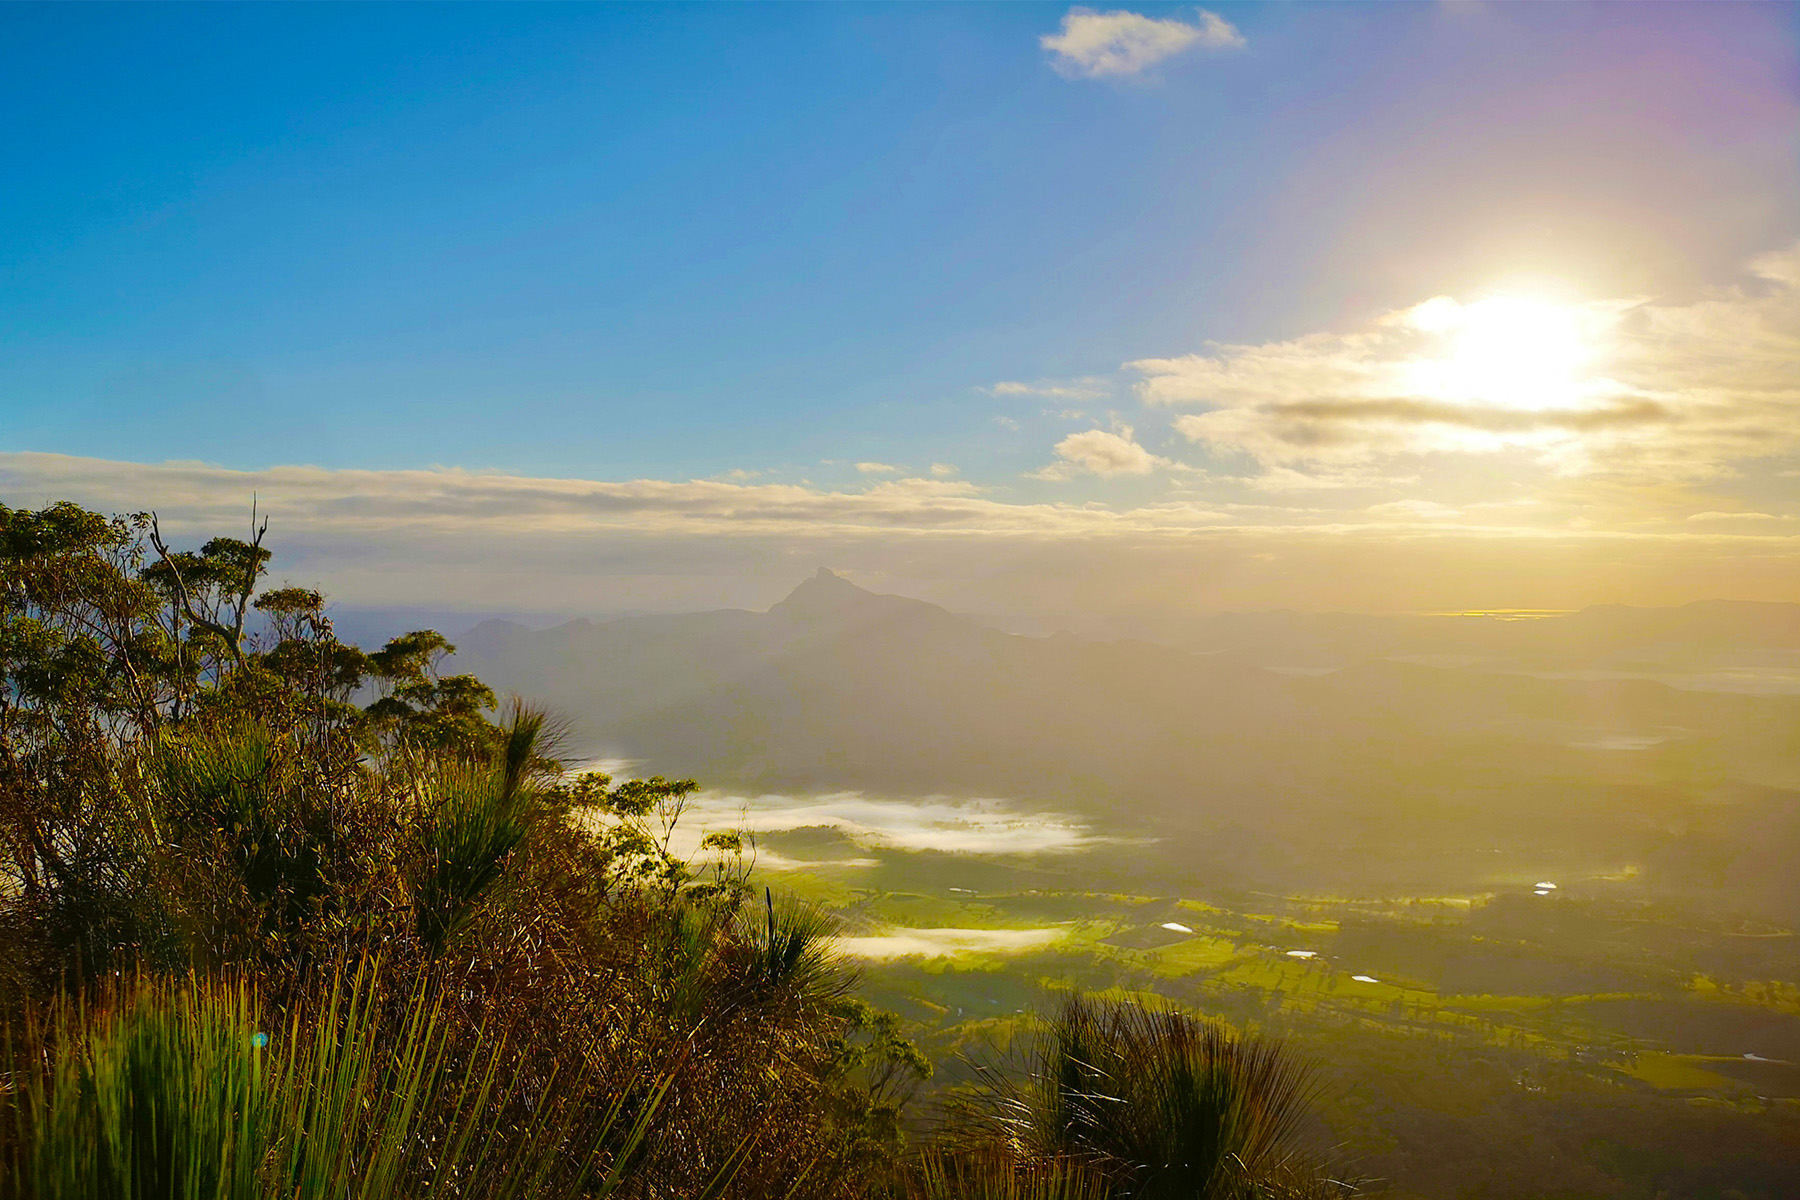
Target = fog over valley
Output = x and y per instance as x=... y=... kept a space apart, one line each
x=1278 y=749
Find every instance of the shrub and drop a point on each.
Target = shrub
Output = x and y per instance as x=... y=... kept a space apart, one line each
x=1157 y=1102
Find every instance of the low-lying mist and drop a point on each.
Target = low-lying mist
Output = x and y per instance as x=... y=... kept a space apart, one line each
x=978 y=826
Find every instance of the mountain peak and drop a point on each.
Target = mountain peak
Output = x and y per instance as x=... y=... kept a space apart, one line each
x=824 y=591
x=829 y=597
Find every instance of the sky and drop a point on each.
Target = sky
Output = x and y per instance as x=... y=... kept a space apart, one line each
x=569 y=308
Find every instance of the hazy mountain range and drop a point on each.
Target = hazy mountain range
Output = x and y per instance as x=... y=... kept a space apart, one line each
x=1278 y=741
x=837 y=685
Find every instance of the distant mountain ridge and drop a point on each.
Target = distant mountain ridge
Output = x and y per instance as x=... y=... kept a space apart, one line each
x=1595 y=635
x=838 y=686
x=1598 y=635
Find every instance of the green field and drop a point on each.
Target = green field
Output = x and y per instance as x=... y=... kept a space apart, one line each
x=1589 y=1014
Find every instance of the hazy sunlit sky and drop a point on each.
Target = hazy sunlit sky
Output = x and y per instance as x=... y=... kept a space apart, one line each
x=572 y=308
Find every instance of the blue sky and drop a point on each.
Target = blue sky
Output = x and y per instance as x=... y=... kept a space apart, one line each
x=767 y=243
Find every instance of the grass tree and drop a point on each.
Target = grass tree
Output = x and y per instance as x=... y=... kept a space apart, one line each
x=1161 y=1104
x=471 y=814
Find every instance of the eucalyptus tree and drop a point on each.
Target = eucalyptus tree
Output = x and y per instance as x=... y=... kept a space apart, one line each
x=163 y=716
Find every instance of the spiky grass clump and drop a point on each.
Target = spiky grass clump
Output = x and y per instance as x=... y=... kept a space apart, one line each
x=788 y=954
x=162 y=1097
x=473 y=815
x=992 y=1173
x=1161 y=1104
x=177 y=1091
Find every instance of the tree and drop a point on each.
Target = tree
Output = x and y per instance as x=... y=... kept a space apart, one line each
x=1160 y=1103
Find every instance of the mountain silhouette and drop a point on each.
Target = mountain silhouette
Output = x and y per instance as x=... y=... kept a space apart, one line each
x=838 y=687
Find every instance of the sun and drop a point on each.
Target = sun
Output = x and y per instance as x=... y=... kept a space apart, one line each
x=1517 y=352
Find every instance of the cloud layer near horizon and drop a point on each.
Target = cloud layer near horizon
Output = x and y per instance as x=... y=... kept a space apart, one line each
x=471 y=540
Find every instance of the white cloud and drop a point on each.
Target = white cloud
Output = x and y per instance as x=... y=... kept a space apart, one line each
x=1633 y=391
x=1087 y=388
x=1096 y=45
x=477 y=505
x=1745 y=518
x=943 y=470
x=1418 y=510
x=877 y=468
x=918 y=487
x=1101 y=452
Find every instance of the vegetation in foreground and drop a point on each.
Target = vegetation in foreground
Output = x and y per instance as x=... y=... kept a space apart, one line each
x=284 y=918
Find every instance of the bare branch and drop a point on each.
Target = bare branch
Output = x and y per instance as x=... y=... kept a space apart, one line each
x=184 y=597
